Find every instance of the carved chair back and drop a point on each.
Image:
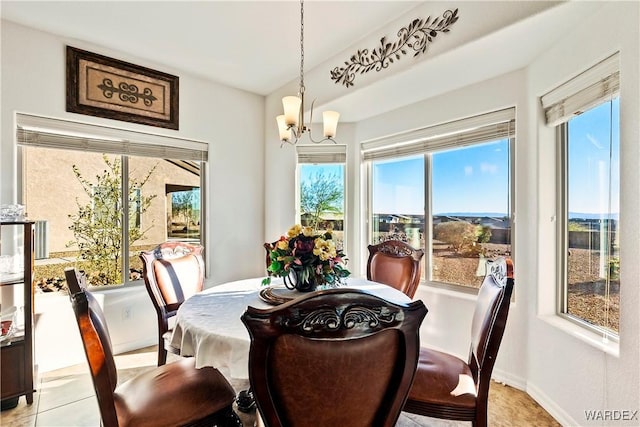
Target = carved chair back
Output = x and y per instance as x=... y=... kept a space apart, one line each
x=395 y=263
x=489 y=321
x=172 y=271
x=312 y=359
x=268 y=247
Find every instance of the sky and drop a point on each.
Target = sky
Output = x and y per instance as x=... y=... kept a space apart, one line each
x=590 y=155
x=475 y=179
x=307 y=171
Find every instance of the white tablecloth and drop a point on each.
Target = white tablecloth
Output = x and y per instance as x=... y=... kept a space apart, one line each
x=208 y=324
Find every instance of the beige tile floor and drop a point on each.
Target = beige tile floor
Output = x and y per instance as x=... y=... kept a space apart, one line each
x=66 y=398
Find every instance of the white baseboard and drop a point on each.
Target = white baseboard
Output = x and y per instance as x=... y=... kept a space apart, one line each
x=536 y=394
x=134 y=345
x=509 y=379
x=550 y=406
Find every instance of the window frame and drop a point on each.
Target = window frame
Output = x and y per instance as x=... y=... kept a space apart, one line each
x=335 y=154
x=52 y=133
x=420 y=138
x=582 y=92
x=562 y=269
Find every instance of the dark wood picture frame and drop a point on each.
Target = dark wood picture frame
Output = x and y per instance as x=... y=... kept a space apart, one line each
x=105 y=87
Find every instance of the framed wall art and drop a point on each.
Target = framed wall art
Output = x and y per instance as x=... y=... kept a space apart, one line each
x=106 y=87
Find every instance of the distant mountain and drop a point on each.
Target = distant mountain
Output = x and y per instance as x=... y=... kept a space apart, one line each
x=572 y=215
x=590 y=216
x=473 y=214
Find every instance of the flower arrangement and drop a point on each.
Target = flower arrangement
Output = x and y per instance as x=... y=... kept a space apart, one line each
x=306 y=259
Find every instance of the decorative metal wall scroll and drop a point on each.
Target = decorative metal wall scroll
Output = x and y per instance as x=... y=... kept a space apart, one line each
x=106 y=87
x=416 y=36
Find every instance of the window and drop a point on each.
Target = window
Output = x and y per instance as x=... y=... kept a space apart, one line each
x=586 y=113
x=103 y=207
x=183 y=209
x=446 y=189
x=321 y=178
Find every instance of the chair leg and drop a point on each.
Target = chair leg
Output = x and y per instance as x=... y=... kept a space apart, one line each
x=245 y=401
x=481 y=417
x=162 y=352
x=230 y=419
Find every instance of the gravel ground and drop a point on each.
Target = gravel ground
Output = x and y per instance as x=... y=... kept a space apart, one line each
x=587 y=296
x=587 y=292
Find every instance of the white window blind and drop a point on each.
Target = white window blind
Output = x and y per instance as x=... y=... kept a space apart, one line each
x=594 y=86
x=459 y=133
x=330 y=153
x=37 y=131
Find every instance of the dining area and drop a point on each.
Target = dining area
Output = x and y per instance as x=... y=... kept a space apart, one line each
x=345 y=350
x=421 y=146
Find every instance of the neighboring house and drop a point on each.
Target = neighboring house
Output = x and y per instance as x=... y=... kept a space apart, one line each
x=52 y=189
x=328 y=220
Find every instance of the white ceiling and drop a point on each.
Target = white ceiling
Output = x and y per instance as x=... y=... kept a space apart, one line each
x=250 y=45
x=255 y=46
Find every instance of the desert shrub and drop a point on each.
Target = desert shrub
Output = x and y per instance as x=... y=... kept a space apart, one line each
x=460 y=235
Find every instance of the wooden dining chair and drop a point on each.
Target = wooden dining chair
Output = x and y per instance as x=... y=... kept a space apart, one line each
x=175 y=394
x=172 y=271
x=338 y=357
x=448 y=387
x=395 y=263
x=268 y=247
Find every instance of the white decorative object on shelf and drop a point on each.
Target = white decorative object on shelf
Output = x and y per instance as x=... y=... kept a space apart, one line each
x=11 y=212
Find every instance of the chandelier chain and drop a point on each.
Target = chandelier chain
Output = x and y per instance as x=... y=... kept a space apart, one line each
x=301 y=46
x=292 y=128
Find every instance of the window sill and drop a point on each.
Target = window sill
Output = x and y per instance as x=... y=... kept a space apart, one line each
x=469 y=294
x=115 y=288
x=593 y=339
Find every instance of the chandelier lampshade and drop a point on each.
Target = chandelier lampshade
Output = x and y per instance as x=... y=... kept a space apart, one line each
x=330 y=121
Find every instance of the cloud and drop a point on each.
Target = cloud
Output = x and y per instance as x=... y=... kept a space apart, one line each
x=468 y=170
x=594 y=141
x=490 y=168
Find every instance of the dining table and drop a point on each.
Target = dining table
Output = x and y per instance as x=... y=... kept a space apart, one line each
x=208 y=325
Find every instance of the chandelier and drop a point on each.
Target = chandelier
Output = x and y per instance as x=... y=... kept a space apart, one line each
x=291 y=125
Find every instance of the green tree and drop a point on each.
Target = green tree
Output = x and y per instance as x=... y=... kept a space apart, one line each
x=322 y=193
x=182 y=205
x=97 y=226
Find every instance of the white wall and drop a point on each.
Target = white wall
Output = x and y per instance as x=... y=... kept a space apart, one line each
x=566 y=370
x=130 y=316
x=560 y=366
x=230 y=120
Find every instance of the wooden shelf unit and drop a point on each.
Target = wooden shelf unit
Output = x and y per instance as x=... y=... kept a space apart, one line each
x=17 y=368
